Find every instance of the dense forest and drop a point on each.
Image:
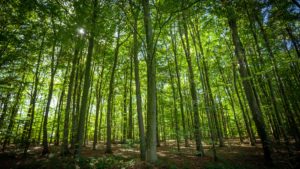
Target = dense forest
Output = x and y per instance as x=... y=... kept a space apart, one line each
x=150 y=84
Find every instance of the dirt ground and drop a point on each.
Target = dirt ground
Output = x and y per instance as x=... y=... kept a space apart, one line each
x=233 y=156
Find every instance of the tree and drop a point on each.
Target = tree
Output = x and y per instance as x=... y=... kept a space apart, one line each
x=151 y=155
x=86 y=86
x=54 y=64
x=110 y=94
x=28 y=125
x=247 y=84
x=183 y=30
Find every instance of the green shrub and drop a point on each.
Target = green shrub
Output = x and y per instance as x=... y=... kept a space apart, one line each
x=112 y=162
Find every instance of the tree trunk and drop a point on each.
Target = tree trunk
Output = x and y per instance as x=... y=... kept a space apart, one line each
x=245 y=75
x=88 y=115
x=13 y=114
x=98 y=101
x=28 y=125
x=86 y=86
x=130 y=129
x=248 y=127
x=124 y=114
x=64 y=147
x=186 y=47
x=77 y=93
x=54 y=64
x=175 y=108
x=110 y=96
x=137 y=87
x=61 y=98
x=53 y=122
x=4 y=110
x=151 y=155
x=174 y=47
x=285 y=100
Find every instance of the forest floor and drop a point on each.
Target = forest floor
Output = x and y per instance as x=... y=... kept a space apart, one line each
x=233 y=156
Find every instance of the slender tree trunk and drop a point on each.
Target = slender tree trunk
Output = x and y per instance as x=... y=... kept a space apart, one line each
x=245 y=74
x=214 y=111
x=90 y=103
x=224 y=120
x=130 y=129
x=186 y=47
x=151 y=155
x=175 y=109
x=86 y=85
x=113 y=122
x=65 y=147
x=211 y=127
x=163 y=126
x=285 y=100
x=196 y=33
x=76 y=100
x=248 y=127
x=28 y=125
x=13 y=114
x=137 y=87
x=242 y=103
x=157 y=124
x=124 y=114
x=54 y=65
x=4 y=110
x=61 y=98
x=110 y=96
x=101 y=116
x=41 y=126
x=87 y=118
x=53 y=122
x=60 y=104
x=98 y=101
x=174 y=47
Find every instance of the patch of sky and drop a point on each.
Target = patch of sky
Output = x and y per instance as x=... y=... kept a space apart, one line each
x=288 y=44
x=294 y=9
x=265 y=12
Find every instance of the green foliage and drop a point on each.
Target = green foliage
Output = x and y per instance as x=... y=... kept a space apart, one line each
x=111 y=162
x=106 y=162
x=129 y=144
x=24 y=23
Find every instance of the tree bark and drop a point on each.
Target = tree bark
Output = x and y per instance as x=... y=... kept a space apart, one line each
x=5 y=108
x=61 y=98
x=124 y=114
x=54 y=64
x=28 y=125
x=137 y=86
x=130 y=129
x=186 y=47
x=285 y=100
x=174 y=47
x=151 y=155
x=98 y=101
x=175 y=108
x=110 y=96
x=65 y=147
x=248 y=88
x=86 y=85
x=13 y=114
